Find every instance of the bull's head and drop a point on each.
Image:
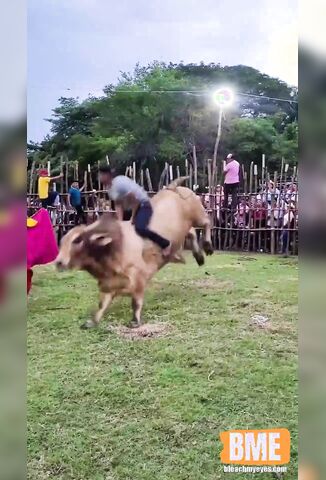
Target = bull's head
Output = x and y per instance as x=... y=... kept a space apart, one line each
x=84 y=246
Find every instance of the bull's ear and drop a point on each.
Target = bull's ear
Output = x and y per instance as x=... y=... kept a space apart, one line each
x=100 y=239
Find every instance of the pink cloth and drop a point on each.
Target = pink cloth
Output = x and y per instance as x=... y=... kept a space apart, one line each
x=232 y=172
x=42 y=247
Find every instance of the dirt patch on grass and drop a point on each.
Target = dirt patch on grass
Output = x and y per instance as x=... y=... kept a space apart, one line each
x=246 y=258
x=211 y=283
x=146 y=331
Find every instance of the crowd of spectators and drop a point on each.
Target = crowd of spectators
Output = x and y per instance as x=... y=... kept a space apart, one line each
x=256 y=214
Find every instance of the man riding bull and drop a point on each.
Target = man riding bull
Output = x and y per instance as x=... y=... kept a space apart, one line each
x=128 y=195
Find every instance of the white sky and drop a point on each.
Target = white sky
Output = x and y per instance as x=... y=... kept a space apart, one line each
x=82 y=45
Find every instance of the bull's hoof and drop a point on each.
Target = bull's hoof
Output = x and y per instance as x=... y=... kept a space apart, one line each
x=134 y=324
x=208 y=248
x=87 y=325
x=177 y=258
x=199 y=257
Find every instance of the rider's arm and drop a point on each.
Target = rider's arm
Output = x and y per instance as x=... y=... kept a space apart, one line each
x=119 y=211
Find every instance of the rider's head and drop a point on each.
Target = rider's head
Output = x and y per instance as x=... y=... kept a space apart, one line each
x=106 y=175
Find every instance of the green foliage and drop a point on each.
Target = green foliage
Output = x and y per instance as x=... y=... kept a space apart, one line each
x=156 y=114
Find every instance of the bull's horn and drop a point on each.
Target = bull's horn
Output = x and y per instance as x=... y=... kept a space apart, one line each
x=100 y=239
x=178 y=181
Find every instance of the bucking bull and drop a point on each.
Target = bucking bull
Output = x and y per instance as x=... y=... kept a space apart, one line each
x=122 y=262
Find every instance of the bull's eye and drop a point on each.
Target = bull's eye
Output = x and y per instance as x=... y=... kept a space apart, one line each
x=77 y=240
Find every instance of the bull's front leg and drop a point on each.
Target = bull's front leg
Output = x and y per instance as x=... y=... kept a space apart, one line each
x=137 y=306
x=207 y=244
x=104 y=303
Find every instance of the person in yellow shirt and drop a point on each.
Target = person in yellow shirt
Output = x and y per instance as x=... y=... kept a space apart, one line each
x=43 y=186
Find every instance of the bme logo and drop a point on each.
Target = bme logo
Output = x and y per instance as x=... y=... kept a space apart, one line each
x=256 y=447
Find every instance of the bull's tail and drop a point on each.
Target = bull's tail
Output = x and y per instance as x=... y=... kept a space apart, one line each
x=178 y=181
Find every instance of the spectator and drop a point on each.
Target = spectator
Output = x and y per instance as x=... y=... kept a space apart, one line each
x=231 y=182
x=260 y=218
x=75 y=201
x=242 y=214
x=54 y=199
x=43 y=186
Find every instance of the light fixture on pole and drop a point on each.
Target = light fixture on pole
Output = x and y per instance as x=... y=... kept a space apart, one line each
x=224 y=98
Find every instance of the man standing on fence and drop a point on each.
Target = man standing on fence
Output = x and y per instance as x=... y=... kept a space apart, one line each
x=128 y=195
x=231 y=182
x=75 y=201
x=43 y=186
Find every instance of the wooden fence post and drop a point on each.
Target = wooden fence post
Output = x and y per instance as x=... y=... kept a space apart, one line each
x=194 y=156
x=66 y=175
x=61 y=171
x=171 y=172
x=149 y=181
x=251 y=176
x=256 y=178
x=134 y=171
x=31 y=178
x=98 y=176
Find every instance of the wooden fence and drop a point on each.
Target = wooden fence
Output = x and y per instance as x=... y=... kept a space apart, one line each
x=266 y=218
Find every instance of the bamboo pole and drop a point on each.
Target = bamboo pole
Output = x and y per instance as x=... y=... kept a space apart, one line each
x=256 y=178
x=66 y=175
x=86 y=189
x=272 y=215
x=142 y=177
x=49 y=168
x=107 y=159
x=263 y=169
x=178 y=171
x=166 y=169
x=61 y=171
x=209 y=173
x=289 y=223
x=31 y=178
x=191 y=176
x=149 y=181
x=171 y=172
x=194 y=156
x=98 y=176
x=281 y=174
x=217 y=142
x=90 y=177
x=251 y=176
x=134 y=171
x=162 y=180
x=251 y=207
x=187 y=171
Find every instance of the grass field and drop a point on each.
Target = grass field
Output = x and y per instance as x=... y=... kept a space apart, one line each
x=103 y=407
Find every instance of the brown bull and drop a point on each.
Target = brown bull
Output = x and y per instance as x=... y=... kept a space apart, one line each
x=122 y=261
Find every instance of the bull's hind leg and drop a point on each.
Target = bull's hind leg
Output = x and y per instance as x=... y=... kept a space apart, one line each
x=207 y=243
x=105 y=301
x=137 y=306
x=204 y=222
x=195 y=248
